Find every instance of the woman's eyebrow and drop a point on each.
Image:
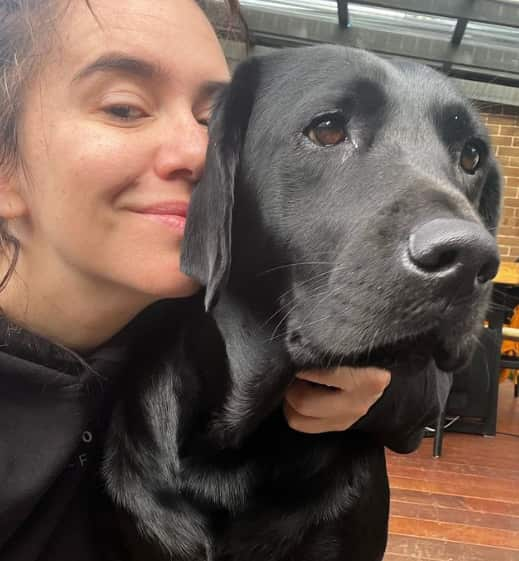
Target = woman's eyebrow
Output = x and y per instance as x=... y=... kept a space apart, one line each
x=118 y=62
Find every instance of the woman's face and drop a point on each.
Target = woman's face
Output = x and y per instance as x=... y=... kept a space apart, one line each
x=113 y=139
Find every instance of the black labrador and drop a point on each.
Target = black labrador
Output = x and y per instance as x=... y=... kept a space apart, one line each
x=346 y=217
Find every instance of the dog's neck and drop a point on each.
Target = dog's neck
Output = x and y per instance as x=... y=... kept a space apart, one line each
x=259 y=365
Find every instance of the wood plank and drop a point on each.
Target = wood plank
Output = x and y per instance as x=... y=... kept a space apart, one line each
x=453 y=501
x=463 y=506
x=479 y=519
x=460 y=487
x=446 y=467
x=460 y=484
x=443 y=550
x=396 y=557
x=460 y=533
x=500 y=452
x=460 y=444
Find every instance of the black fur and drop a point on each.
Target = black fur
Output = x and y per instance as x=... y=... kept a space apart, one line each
x=299 y=247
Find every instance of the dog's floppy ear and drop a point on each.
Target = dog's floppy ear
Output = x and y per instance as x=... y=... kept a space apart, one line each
x=490 y=202
x=206 y=251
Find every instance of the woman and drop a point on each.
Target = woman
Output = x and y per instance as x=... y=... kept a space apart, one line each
x=103 y=114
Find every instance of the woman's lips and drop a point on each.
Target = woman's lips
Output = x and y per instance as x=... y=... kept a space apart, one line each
x=171 y=214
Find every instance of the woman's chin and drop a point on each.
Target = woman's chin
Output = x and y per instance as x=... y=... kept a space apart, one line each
x=178 y=286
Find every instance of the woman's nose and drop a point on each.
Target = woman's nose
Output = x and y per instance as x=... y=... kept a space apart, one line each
x=182 y=151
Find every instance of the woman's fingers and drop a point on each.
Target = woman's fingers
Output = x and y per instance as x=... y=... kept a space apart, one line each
x=333 y=400
x=369 y=379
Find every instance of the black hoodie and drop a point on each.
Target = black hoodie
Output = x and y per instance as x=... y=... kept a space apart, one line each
x=54 y=409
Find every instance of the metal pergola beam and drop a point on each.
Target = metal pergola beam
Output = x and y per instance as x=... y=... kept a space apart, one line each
x=459 y=31
x=478 y=91
x=283 y=30
x=457 y=36
x=492 y=93
x=485 y=11
x=343 y=13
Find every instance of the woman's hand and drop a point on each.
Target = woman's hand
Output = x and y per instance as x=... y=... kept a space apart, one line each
x=333 y=400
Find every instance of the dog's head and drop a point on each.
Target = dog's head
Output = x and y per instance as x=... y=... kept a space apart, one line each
x=364 y=191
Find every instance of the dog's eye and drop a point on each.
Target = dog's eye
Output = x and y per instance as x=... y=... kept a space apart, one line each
x=327 y=130
x=470 y=157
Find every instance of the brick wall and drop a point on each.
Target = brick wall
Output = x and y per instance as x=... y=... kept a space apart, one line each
x=503 y=124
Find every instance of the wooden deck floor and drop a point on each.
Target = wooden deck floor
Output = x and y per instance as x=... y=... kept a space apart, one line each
x=463 y=506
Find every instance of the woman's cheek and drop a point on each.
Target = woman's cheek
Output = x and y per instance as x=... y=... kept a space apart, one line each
x=105 y=162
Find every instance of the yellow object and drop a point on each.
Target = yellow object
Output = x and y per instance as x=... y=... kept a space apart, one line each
x=510 y=348
x=508 y=273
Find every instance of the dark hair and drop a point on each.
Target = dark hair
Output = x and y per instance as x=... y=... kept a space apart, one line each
x=226 y=18
x=18 y=62
x=25 y=27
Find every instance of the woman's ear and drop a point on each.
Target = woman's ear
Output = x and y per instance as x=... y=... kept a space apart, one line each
x=12 y=204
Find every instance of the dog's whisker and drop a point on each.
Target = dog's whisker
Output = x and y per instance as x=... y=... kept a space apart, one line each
x=495 y=307
x=373 y=342
x=455 y=299
x=290 y=305
x=329 y=294
x=500 y=291
x=303 y=283
x=330 y=359
x=286 y=305
x=314 y=322
x=274 y=333
x=291 y=265
x=280 y=323
x=282 y=308
x=477 y=340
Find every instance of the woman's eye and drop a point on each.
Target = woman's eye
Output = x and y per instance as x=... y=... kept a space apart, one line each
x=124 y=112
x=327 y=130
x=470 y=158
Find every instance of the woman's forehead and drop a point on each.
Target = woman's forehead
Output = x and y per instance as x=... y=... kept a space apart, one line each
x=170 y=34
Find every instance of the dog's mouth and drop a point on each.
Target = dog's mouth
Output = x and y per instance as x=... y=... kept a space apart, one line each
x=413 y=352
x=408 y=354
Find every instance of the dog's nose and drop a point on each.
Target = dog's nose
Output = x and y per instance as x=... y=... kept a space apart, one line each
x=457 y=253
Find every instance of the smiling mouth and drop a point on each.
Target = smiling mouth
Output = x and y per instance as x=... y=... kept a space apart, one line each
x=172 y=221
x=173 y=215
